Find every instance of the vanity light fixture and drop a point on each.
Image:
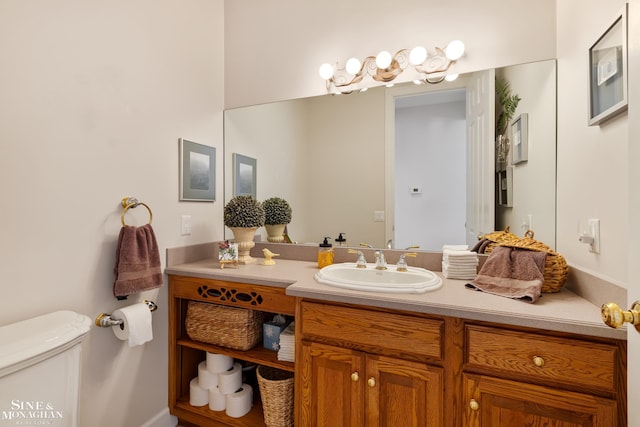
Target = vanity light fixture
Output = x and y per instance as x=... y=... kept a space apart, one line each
x=384 y=68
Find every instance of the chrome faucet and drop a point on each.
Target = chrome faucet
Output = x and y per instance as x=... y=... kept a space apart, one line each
x=381 y=262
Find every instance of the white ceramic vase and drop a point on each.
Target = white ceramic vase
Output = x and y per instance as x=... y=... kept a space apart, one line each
x=244 y=238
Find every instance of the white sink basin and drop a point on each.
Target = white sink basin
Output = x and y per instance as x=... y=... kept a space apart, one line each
x=347 y=275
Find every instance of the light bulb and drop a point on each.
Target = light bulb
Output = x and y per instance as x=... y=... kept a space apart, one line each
x=326 y=71
x=383 y=60
x=451 y=77
x=455 y=50
x=353 y=66
x=417 y=55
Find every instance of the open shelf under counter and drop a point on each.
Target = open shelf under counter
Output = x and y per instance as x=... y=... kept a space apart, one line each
x=258 y=355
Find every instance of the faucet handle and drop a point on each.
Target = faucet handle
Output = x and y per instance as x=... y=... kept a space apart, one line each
x=361 y=262
x=402 y=262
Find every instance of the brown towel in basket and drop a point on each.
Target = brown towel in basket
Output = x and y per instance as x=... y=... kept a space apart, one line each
x=512 y=273
x=137 y=266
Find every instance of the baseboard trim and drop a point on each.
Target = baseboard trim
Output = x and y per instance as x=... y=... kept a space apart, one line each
x=162 y=419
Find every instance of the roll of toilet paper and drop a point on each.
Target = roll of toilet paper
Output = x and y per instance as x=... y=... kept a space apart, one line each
x=217 y=400
x=231 y=380
x=136 y=326
x=240 y=402
x=219 y=362
x=198 y=396
x=206 y=378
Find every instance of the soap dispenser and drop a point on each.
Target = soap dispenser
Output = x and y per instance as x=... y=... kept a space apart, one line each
x=325 y=253
x=341 y=240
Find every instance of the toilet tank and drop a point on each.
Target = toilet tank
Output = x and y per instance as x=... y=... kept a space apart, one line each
x=40 y=370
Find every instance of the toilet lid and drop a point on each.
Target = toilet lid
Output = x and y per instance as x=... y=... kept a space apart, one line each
x=33 y=339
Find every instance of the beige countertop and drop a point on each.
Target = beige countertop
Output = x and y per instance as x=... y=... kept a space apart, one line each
x=564 y=311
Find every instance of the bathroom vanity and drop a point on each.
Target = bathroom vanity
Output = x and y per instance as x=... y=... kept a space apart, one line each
x=453 y=357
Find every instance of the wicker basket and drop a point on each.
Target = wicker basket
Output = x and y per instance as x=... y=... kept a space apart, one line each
x=276 y=391
x=231 y=327
x=555 y=268
x=498 y=237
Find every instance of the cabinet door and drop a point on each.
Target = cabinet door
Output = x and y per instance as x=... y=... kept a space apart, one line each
x=332 y=382
x=402 y=393
x=493 y=402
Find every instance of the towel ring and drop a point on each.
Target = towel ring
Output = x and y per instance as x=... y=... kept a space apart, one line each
x=132 y=202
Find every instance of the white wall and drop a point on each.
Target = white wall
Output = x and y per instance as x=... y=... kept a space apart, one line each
x=274 y=48
x=94 y=98
x=592 y=166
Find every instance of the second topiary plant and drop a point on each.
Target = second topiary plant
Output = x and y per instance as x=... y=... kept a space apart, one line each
x=277 y=214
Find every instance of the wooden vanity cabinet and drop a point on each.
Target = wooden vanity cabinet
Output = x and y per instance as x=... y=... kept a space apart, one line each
x=368 y=368
x=365 y=366
x=185 y=354
x=516 y=377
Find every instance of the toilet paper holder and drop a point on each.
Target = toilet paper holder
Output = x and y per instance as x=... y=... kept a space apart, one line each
x=105 y=320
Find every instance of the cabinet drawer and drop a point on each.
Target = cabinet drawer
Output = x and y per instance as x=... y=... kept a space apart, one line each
x=542 y=358
x=374 y=330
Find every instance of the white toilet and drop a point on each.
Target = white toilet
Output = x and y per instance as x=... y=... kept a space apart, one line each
x=40 y=369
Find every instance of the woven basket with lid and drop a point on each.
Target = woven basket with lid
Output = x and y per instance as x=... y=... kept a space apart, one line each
x=555 y=268
x=498 y=237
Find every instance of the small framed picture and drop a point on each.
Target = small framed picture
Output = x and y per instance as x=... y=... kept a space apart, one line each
x=608 y=72
x=520 y=139
x=197 y=172
x=244 y=175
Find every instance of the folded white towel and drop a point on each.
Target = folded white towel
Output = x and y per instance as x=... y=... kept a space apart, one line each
x=452 y=253
x=458 y=272
x=455 y=247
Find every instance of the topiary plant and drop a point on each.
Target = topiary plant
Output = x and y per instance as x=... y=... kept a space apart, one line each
x=276 y=211
x=243 y=211
x=508 y=102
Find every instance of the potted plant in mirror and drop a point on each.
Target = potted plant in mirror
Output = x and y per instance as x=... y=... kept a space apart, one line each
x=277 y=214
x=244 y=215
x=508 y=104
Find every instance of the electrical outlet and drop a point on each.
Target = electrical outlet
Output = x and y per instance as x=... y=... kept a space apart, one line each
x=185 y=225
x=378 y=216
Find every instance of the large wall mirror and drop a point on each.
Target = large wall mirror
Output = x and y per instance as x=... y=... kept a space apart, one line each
x=389 y=167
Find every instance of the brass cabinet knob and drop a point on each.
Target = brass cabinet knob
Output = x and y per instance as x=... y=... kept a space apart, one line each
x=615 y=317
x=474 y=405
x=371 y=382
x=355 y=377
x=538 y=361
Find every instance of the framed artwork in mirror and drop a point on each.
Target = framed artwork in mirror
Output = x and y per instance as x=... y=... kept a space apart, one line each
x=197 y=172
x=520 y=139
x=608 y=72
x=244 y=175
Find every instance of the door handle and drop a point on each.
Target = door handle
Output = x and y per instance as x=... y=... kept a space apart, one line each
x=615 y=317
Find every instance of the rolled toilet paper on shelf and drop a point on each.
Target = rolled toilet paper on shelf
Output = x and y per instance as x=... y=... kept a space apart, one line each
x=136 y=326
x=217 y=400
x=230 y=380
x=206 y=378
x=217 y=363
x=239 y=403
x=198 y=396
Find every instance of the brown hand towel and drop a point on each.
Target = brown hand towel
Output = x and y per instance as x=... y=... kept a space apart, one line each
x=513 y=273
x=137 y=266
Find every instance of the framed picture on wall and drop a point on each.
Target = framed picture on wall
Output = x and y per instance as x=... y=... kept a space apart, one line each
x=197 y=172
x=244 y=175
x=608 y=72
x=520 y=139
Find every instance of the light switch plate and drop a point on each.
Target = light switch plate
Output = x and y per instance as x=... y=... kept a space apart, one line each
x=185 y=225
